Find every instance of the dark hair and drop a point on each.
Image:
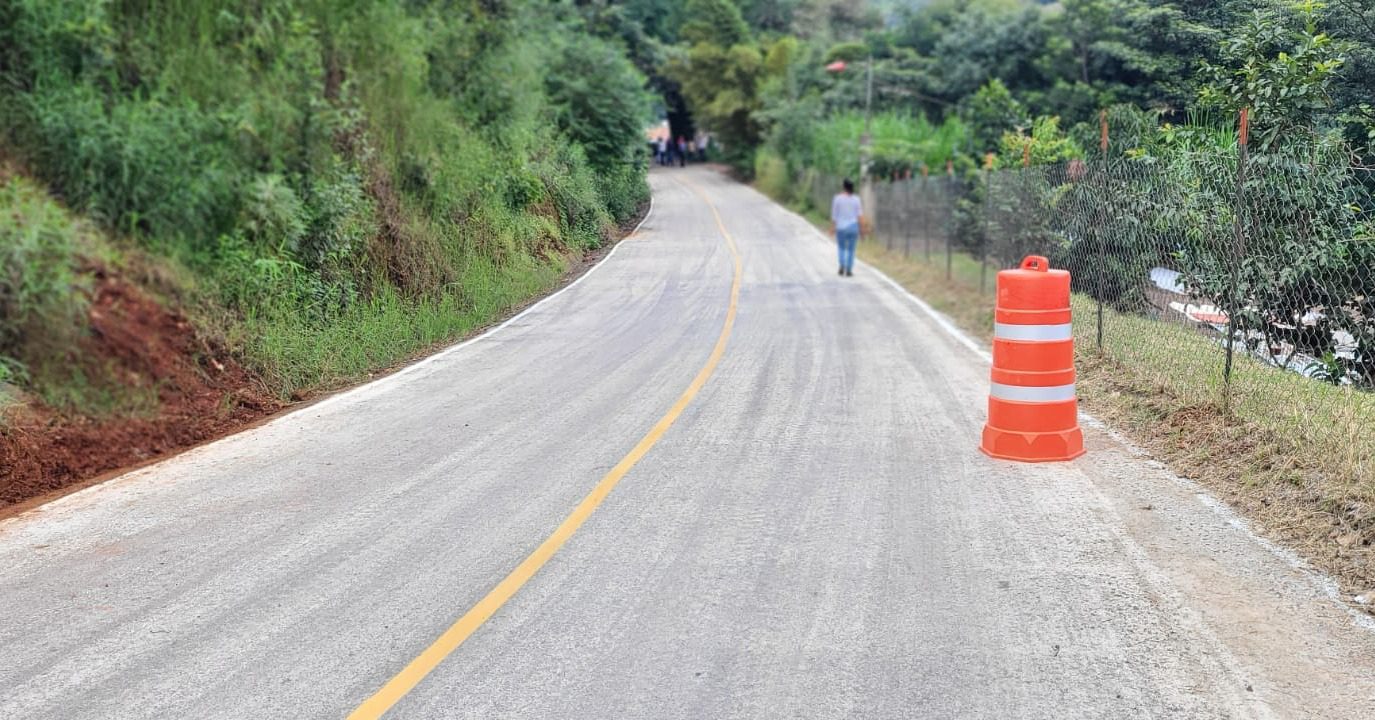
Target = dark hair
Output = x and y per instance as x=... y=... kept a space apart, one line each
x=849 y=186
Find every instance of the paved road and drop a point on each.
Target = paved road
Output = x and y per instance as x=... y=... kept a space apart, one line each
x=814 y=536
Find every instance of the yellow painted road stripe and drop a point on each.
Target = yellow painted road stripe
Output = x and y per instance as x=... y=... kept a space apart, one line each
x=422 y=665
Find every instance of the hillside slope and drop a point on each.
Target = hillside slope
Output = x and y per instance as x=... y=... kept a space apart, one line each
x=212 y=209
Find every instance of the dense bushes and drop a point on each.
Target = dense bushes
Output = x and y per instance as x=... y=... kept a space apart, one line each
x=313 y=161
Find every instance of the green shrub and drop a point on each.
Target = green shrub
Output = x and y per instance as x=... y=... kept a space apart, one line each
x=1045 y=145
x=583 y=220
x=41 y=301
x=148 y=165
x=625 y=189
x=273 y=216
x=341 y=219
x=600 y=101
x=771 y=174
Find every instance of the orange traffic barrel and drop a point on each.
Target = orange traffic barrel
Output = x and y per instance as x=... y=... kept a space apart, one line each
x=1033 y=415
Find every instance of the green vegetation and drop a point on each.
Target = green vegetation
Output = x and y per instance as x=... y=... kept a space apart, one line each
x=901 y=144
x=40 y=295
x=993 y=67
x=346 y=183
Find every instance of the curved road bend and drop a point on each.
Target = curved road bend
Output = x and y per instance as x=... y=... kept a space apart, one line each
x=815 y=535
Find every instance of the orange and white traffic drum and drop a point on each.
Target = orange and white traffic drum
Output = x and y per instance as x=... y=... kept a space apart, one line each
x=1033 y=415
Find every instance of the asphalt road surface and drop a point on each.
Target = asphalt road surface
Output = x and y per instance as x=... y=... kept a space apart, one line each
x=778 y=510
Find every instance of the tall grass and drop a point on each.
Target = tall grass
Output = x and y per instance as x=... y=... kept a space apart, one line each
x=387 y=329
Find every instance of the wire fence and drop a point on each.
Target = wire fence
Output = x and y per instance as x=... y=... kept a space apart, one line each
x=1244 y=281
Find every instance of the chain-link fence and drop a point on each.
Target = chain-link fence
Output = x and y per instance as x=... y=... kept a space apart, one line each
x=1248 y=282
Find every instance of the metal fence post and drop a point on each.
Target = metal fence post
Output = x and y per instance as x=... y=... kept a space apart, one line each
x=907 y=217
x=926 y=213
x=888 y=221
x=1102 y=258
x=983 y=236
x=983 y=264
x=1238 y=253
x=950 y=198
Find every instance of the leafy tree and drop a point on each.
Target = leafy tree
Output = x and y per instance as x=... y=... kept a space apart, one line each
x=1352 y=24
x=1156 y=56
x=774 y=16
x=1088 y=26
x=599 y=101
x=1108 y=51
x=1284 y=74
x=722 y=85
x=657 y=19
x=980 y=46
x=713 y=22
x=617 y=24
x=991 y=112
x=830 y=20
x=1046 y=144
x=722 y=75
x=848 y=52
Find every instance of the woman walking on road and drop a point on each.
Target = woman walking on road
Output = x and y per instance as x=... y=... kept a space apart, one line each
x=847 y=218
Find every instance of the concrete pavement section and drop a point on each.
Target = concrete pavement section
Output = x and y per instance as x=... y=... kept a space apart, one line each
x=816 y=536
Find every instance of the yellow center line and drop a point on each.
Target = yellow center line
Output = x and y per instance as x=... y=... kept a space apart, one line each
x=447 y=643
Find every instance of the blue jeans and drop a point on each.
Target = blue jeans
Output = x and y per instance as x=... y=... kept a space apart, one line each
x=846 y=239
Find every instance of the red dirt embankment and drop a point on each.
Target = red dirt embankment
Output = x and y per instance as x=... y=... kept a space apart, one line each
x=198 y=391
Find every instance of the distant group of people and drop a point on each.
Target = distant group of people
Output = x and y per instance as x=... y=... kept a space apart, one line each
x=668 y=152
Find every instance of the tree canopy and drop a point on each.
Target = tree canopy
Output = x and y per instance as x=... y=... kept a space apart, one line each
x=997 y=65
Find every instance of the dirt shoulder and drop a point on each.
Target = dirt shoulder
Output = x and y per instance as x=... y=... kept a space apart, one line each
x=196 y=391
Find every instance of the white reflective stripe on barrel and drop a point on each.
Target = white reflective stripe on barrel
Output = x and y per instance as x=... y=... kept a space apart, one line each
x=1027 y=393
x=1008 y=331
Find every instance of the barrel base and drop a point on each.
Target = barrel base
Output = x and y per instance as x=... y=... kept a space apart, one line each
x=1033 y=446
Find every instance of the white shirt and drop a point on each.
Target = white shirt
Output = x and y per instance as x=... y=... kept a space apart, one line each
x=845 y=211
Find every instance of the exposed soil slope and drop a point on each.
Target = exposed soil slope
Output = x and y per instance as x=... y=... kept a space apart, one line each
x=198 y=392
x=198 y=389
